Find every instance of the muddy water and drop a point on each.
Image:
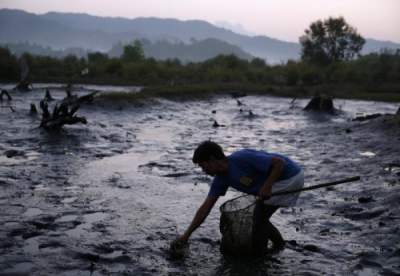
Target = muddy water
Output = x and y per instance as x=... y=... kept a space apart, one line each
x=108 y=197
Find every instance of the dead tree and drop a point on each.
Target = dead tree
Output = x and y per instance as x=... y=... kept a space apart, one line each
x=61 y=115
x=293 y=102
x=24 y=83
x=9 y=106
x=68 y=90
x=48 y=96
x=73 y=99
x=64 y=112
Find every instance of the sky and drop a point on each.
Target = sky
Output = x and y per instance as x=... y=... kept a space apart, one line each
x=281 y=19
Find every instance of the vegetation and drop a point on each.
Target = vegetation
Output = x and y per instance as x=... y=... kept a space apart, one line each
x=38 y=50
x=373 y=76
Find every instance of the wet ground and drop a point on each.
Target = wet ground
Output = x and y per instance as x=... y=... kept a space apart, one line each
x=107 y=198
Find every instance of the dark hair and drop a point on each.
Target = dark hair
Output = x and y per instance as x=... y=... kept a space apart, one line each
x=206 y=151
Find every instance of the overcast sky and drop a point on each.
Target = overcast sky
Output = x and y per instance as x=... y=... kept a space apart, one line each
x=281 y=19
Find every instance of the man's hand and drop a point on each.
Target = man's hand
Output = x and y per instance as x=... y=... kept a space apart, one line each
x=178 y=242
x=277 y=167
x=265 y=192
x=178 y=247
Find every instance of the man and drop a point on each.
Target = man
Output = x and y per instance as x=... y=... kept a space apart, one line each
x=250 y=171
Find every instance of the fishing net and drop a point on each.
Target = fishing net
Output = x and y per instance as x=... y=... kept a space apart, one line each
x=242 y=226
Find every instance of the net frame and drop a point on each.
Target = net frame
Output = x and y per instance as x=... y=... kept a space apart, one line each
x=238 y=225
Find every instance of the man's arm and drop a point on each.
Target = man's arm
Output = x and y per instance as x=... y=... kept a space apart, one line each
x=198 y=219
x=277 y=166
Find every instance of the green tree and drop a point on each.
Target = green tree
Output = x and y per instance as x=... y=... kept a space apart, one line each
x=330 y=40
x=114 y=67
x=292 y=73
x=258 y=62
x=9 y=69
x=133 y=53
x=97 y=58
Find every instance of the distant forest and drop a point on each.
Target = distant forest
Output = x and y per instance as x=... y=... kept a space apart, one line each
x=134 y=68
x=195 y=51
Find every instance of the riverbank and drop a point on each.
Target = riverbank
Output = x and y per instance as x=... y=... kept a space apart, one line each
x=386 y=92
x=383 y=92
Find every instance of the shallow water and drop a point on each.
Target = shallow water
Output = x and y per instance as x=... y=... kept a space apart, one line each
x=107 y=198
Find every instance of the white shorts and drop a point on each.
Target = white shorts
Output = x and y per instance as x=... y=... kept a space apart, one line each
x=293 y=183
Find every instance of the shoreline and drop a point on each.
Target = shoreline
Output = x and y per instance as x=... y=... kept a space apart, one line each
x=385 y=92
x=195 y=91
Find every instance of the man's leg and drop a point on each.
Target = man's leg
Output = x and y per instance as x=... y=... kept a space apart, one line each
x=273 y=233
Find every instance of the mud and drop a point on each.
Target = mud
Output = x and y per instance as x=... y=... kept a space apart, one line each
x=107 y=198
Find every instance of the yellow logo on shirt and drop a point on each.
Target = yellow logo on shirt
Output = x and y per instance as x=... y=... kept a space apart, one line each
x=246 y=181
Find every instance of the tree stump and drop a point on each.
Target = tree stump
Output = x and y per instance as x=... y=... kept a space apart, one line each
x=33 y=110
x=321 y=104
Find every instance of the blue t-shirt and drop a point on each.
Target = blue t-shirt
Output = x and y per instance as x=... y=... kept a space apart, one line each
x=247 y=171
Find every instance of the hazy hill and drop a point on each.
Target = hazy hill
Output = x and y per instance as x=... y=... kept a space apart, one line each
x=61 y=30
x=176 y=30
x=196 y=50
x=99 y=34
x=373 y=45
x=19 y=26
x=66 y=30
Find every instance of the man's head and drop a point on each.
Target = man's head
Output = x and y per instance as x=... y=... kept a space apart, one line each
x=210 y=157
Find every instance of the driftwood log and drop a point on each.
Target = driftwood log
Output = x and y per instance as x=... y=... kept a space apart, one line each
x=64 y=112
x=24 y=86
x=321 y=103
x=367 y=117
x=6 y=94
x=8 y=97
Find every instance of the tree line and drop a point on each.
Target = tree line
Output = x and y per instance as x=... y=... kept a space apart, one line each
x=330 y=54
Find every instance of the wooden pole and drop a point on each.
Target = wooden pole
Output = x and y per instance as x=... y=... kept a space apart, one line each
x=351 y=179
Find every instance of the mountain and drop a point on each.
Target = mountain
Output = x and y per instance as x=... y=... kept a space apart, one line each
x=65 y=31
x=272 y=50
x=19 y=26
x=71 y=30
x=372 y=45
x=236 y=28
